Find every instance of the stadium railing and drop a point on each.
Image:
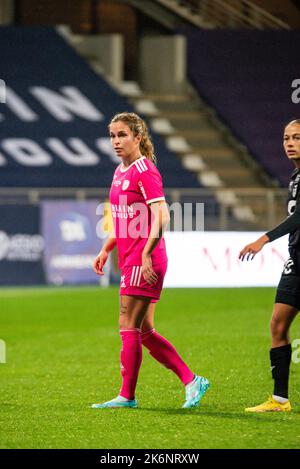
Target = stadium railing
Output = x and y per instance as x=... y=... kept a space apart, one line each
x=241 y=14
x=221 y=210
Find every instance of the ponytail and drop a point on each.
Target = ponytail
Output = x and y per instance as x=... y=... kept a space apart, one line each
x=146 y=145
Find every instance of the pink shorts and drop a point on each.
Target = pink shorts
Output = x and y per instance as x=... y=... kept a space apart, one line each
x=133 y=282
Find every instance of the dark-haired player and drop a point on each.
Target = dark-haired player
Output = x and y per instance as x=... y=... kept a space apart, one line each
x=287 y=301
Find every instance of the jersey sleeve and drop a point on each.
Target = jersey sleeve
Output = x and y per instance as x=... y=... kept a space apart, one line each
x=289 y=225
x=150 y=183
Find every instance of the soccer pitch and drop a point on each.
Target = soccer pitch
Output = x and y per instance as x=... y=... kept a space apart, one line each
x=62 y=347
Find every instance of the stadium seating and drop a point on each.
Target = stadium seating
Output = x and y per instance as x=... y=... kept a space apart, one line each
x=250 y=86
x=54 y=124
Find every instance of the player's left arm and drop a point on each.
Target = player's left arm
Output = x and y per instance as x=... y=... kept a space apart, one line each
x=250 y=250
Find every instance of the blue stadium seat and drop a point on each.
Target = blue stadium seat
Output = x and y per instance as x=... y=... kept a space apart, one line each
x=54 y=124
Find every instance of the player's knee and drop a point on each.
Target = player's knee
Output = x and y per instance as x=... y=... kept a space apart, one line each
x=146 y=326
x=123 y=318
x=278 y=329
x=128 y=321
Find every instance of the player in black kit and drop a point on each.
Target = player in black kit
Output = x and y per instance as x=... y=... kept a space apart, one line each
x=287 y=301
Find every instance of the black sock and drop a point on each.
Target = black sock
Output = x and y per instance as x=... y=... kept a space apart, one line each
x=280 y=365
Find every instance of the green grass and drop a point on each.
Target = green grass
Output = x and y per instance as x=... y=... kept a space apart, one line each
x=63 y=355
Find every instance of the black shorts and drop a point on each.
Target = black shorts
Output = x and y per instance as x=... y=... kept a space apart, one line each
x=288 y=290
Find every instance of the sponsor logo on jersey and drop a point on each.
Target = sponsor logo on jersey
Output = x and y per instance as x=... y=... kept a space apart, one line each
x=122 y=211
x=117 y=183
x=125 y=185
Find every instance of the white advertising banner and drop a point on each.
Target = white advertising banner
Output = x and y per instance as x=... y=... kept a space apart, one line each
x=210 y=259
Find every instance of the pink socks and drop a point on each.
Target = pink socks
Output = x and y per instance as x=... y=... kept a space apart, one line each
x=131 y=359
x=166 y=354
x=159 y=348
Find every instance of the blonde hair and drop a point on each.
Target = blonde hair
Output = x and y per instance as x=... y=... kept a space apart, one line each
x=138 y=127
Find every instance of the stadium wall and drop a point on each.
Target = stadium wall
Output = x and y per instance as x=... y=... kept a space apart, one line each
x=56 y=242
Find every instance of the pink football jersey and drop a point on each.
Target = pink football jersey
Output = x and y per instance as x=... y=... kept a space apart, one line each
x=132 y=190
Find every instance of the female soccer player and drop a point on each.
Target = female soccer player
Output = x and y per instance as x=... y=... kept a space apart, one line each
x=140 y=216
x=287 y=301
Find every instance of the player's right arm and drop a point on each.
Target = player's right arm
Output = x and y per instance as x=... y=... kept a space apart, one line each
x=102 y=257
x=253 y=248
x=290 y=224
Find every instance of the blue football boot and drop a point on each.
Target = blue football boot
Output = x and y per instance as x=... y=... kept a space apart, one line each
x=194 y=392
x=116 y=403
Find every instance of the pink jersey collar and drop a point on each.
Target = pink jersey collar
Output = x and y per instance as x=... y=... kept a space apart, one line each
x=126 y=169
